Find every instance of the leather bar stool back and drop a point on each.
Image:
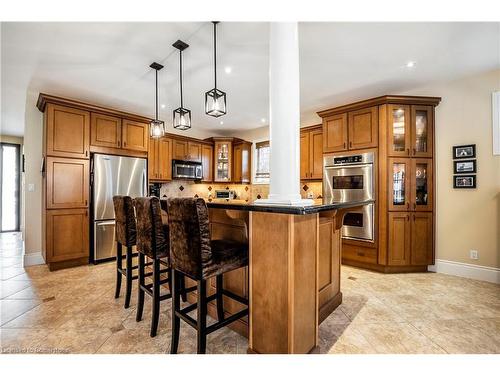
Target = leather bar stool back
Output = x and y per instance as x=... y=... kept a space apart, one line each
x=195 y=255
x=126 y=235
x=153 y=243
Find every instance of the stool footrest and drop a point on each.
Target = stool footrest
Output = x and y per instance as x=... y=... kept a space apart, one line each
x=226 y=321
x=235 y=297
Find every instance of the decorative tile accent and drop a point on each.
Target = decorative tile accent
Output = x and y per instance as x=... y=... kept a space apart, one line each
x=305 y=187
x=209 y=188
x=246 y=188
x=258 y=196
x=181 y=188
x=196 y=196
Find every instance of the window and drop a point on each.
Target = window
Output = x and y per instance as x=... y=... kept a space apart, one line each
x=262 y=155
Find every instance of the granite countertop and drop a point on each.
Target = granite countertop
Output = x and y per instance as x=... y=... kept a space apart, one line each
x=318 y=206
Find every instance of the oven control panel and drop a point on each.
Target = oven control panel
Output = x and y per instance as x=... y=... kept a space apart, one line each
x=348 y=159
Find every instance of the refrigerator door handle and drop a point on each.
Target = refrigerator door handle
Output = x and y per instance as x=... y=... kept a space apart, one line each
x=108 y=222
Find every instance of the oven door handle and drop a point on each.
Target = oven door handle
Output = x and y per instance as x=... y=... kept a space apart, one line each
x=367 y=165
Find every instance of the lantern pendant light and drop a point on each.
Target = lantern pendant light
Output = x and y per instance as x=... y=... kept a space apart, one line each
x=156 y=127
x=182 y=116
x=215 y=99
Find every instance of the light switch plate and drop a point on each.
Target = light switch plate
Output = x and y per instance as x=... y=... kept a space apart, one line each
x=31 y=187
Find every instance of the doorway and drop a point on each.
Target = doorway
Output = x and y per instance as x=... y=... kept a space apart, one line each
x=9 y=187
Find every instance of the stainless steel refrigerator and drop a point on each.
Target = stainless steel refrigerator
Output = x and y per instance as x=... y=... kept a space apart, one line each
x=113 y=175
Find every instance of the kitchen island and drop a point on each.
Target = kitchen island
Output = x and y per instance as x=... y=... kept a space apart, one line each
x=293 y=278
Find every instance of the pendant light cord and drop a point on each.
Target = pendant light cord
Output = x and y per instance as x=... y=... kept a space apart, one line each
x=156 y=95
x=180 y=64
x=215 y=54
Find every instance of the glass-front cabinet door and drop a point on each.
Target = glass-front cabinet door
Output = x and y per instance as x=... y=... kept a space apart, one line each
x=399 y=130
x=421 y=185
x=421 y=131
x=223 y=156
x=399 y=184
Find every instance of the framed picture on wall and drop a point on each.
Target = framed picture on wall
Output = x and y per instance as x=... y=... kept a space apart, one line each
x=464 y=182
x=464 y=152
x=464 y=166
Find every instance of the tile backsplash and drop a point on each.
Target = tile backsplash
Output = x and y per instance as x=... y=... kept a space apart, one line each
x=246 y=192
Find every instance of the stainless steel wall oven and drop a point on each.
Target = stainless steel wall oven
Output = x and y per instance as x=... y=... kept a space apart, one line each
x=348 y=178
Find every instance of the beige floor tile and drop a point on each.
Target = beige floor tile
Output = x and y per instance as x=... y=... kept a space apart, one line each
x=135 y=341
x=361 y=309
x=81 y=341
x=11 y=309
x=459 y=336
x=21 y=340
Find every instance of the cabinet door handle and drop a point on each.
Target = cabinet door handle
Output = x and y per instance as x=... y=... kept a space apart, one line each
x=86 y=153
x=414 y=206
x=350 y=144
x=408 y=205
x=86 y=213
x=118 y=143
x=160 y=175
x=359 y=253
x=124 y=144
x=414 y=151
x=85 y=202
x=413 y=217
x=408 y=151
x=345 y=145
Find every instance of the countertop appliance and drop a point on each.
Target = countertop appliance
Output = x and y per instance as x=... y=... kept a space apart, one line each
x=112 y=175
x=225 y=194
x=349 y=178
x=191 y=170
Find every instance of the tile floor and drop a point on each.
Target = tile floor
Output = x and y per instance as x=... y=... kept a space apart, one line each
x=73 y=311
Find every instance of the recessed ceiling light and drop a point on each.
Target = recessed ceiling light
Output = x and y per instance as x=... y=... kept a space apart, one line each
x=222 y=122
x=263 y=120
x=163 y=105
x=411 y=64
x=228 y=69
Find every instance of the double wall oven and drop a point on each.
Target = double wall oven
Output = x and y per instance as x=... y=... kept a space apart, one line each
x=349 y=178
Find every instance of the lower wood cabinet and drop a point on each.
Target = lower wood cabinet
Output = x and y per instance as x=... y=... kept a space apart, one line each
x=410 y=240
x=67 y=183
x=67 y=235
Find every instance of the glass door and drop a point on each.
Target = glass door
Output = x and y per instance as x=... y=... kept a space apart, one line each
x=421 y=185
x=9 y=187
x=421 y=131
x=223 y=156
x=399 y=132
x=399 y=185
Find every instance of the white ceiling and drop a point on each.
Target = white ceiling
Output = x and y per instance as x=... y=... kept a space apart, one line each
x=108 y=64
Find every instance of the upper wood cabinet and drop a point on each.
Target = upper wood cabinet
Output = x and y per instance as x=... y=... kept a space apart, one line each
x=241 y=162
x=363 y=128
x=422 y=131
x=160 y=159
x=67 y=235
x=223 y=156
x=67 y=132
x=135 y=135
x=180 y=149
x=207 y=161
x=105 y=131
x=194 y=151
x=335 y=133
x=67 y=183
x=311 y=154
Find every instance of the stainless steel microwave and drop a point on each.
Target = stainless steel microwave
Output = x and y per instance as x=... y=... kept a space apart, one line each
x=190 y=170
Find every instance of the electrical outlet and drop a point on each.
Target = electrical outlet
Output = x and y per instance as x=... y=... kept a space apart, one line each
x=310 y=195
x=474 y=254
x=31 y=187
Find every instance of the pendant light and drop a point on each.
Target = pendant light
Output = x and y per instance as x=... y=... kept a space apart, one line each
x=182 y=116
x=215 y=99
x=156 y=127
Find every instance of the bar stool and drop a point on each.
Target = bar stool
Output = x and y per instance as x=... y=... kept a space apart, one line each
x=125 y=233
x=195 y=255
x=152 y=242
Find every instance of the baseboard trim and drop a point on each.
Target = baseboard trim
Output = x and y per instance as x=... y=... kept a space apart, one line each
x=33 y=259
x=471 y=271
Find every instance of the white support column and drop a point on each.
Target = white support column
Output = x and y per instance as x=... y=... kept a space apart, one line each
x=284 y=124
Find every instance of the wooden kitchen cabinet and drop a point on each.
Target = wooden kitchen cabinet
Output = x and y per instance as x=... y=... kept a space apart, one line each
x=207 y=161
x=363 y=128
x=105 y=130
x=67 y=183
x=242 y=162
x=399 y=240
x=398 y=130
x=422 y=238
x=223 y=156
x=135 y=135
x=194 y=151
x=399 y=172
x=160 y=159
x=422 y=130
x=311 y=153
x=335 y=133
x=421 y=185
x=67 y=132
x=67 y=235
x=180 y=149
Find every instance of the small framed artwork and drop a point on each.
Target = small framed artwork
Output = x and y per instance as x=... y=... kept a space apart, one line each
x=464 y=166
x=464 y=182
x=464 y=152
